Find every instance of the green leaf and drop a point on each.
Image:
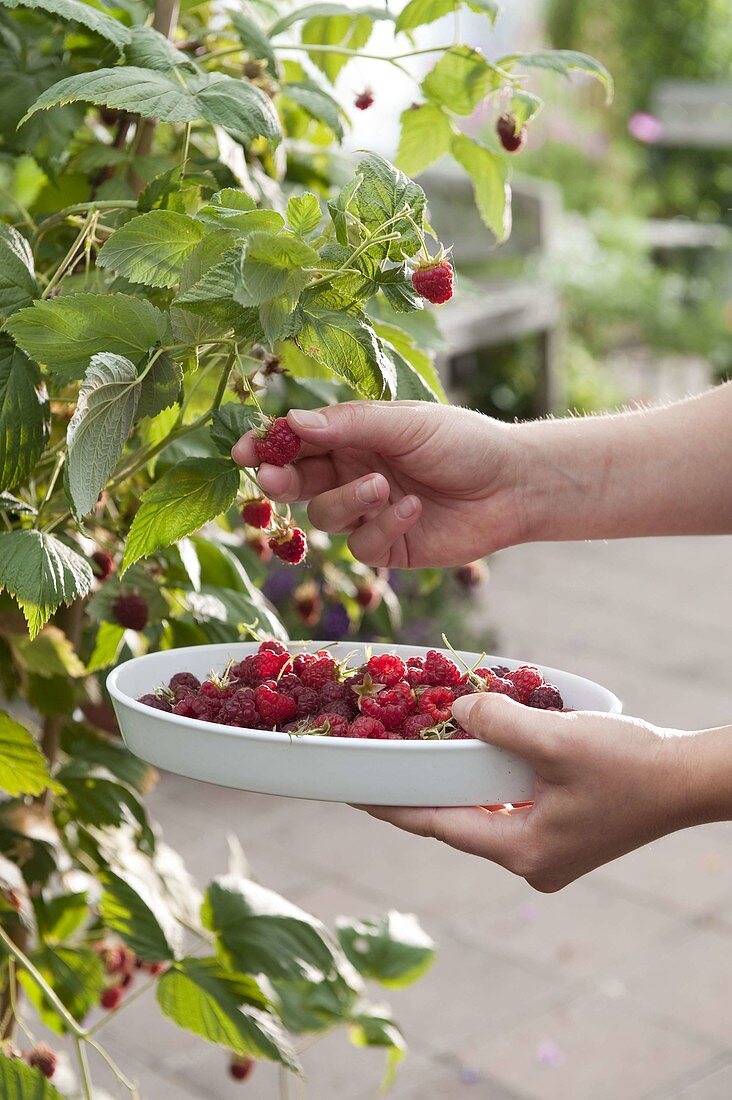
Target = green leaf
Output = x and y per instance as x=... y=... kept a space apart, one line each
x=64 y=333
x=271 y=264
x=386 y=193
x=396 y=283
x=311 y=11
x=148 y=49
x=418 y=13
x=254 y=39
x=236 y=105
x=524 y=105
x=260 y=932
x=373 y=1026
x=41 y=572
x=426 y=132
x=106 y=646
x=460 y=80
x=393 y=950
x=303 y=213
x=417 y=379
x=23 y=768
x=224 y=1008
x=152 y=248
x=77 y=12
x=19 y=1082
x=316 y=102
x=75 y=974
x=100 y=427
x=141 y=919
x=50 y=654
x=23 y=414
x=350 y=31
x=563 y=62
x=18 y=286
x=489 y=173
x=81 y=742
x=349 y=348
x=160 y=388
x=9 y=503
x=94 y=797
x=59 y=917
x=190 y=494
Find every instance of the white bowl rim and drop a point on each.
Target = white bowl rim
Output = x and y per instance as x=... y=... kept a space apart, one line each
x=343 y=743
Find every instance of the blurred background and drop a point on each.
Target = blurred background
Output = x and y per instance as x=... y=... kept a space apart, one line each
x=614 y=288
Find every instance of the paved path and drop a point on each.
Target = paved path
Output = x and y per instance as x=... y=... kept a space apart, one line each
x=619 y=988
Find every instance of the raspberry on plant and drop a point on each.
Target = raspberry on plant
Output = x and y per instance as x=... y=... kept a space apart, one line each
x=111 y=997
x=291 y=546
x=368 y=596
x=472 y=574
x=439 y=670
x=386 y=668
x=434 y=281
x=259 y=545
x=275 y=708
x=525 y=679
x=364 y=100
x=257 y=513
x=371 y=728
x=131 y=611
x=44 y=1059
x=545 y=697
x=511 y=136
x=436 y=702
x=241 y=1067
x=276 y=443
x=102 y=564
x=308 y=604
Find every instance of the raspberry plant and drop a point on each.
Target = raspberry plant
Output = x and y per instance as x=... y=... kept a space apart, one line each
x=182 y=252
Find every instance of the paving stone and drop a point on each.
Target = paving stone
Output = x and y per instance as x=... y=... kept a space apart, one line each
x=716 y=1085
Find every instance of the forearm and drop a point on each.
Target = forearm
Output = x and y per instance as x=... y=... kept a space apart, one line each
x=706 y=762
x=660 y=471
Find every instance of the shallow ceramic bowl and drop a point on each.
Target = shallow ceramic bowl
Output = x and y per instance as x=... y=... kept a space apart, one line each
x=379 y=773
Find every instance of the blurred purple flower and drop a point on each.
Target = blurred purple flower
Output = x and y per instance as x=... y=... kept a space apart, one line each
x=335 y=622
x=279 y=584
x=549 y=1054
x=646 y=128
x=469 y=1077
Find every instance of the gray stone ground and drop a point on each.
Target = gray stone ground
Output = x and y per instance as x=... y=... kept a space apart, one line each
x=618 y=988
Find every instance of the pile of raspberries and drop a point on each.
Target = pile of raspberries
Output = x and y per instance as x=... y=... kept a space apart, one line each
x=312 y=693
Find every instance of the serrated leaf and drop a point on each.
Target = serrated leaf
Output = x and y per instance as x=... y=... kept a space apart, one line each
x=349 y=348
x=77 y=12
x=524 y=106
x=489 y=174
x=190 y=494
x=23 y=767
x=106 y=646
x=310 y=11
x=94 y=797
x=384 y=194
x=50 y=654
x=75 y=974
x=81 y=742
x=65 y=332
x=160 y=388
x=18 y=286
x=351 y=31
x=419 y=13
x=19 y=1082
x=425 y=136
x=254 y=39
x=563 y=62
x=148 y=49
x=23 y=414
x=9 y=503
x=59 y=917
x=152 y=248
x=100 y=427
x=417 y=378
x=271 y=265
x=41 y=572
x=236 y=105
x=224 y=1008
x=396 y=284
x=460 y=80
x=316 y=102
x=140 y=918
x=393 y=950
x=303 y=213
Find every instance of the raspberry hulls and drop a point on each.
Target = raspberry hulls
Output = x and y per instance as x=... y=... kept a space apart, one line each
x=277 y=444
x=434 y=281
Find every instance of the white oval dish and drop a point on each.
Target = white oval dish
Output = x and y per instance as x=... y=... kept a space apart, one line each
x=331 y=769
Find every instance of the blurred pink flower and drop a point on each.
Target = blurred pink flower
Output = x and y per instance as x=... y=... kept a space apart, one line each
x=646 y=128
x=550 y=1054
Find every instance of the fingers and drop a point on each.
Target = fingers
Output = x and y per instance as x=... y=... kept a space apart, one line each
x=373 y=425
x=494 y=835
x=534 y=734
x=302 y=481
x=372 y=542
x=341 y=509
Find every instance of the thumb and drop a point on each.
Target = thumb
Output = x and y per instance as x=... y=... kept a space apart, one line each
x=372 y=425
x=533 y=734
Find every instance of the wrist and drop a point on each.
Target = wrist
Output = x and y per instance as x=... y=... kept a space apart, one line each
x=705 y=770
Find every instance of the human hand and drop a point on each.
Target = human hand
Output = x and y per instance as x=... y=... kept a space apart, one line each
x=413 y=483
x=605 y=784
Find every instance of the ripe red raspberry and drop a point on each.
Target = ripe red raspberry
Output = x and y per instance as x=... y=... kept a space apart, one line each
x=332 y=723
x=319 y=672
x=415 y=724
x=386 y=668
x=257 y=513
x=335 y=692
x=436 y=702
x=291 y=547
x=102 y=564
x=439 y=670
x=301 y=661
x=308 y=604
x=472 y=574
x=157 y=702
x=364 y=100
x=117 y=959
x=241 y=710
x=525 y=679
x=308 y=701
x=511 y=138
x=275 y=708
x=259 y=545
x=415 y=672
x=264 y=665
x=500 y=670
x=277 y=444
x=131 y=611
x=240 y=1068
x=153 y=969
x=434 y=282
x=368 y=596
x=545 y=697
x=288 y=683
x=271 y=645
x=391 y=707
x=370 y=728
x=196 y=706
x=461 y=735
x=499 y=686
x=111 y=997
x=43 y=1059
x=182 y=683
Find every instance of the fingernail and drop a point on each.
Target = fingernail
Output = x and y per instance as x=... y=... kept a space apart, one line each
x=308 y=418
x=462 y=707
x=406 y=508
x=236 y=451
x=368 y=491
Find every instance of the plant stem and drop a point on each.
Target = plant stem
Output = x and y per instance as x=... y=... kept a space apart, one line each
x=81 y=208
x=86 y=1081
x=118 y=1073
x=70 y=256
x=49 y=993
x=164 y=21
x=139 y=992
